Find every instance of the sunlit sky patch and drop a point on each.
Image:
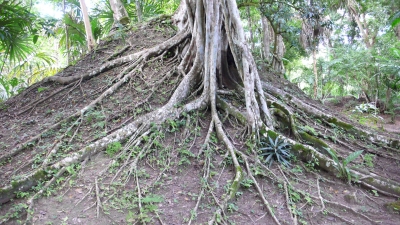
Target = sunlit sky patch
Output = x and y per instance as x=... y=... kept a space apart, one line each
x=48 y=9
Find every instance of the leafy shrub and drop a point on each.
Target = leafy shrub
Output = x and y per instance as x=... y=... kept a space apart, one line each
x=278 y=150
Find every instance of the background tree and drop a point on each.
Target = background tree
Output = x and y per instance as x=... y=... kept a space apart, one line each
x=88 y=27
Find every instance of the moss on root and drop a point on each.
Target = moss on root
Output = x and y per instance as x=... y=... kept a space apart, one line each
x=393 y=206
x=9 y=192
x=236 y=183
x=273 y=135
x=316 y=142
x=341 y=124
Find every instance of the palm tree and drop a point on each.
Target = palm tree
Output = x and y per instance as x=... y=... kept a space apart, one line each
x=17 y=32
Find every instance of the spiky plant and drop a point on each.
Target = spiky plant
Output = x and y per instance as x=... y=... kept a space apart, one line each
x=277 y=150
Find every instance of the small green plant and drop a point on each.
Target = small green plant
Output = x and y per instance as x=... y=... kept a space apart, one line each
x=232 y=207
x=369 y=160
x=149 y=206
x=247 y=183
x=375 y=192
x=113 y=148
x=342 y=167
x=310 y=130
x=278 y=150
x=41 y=89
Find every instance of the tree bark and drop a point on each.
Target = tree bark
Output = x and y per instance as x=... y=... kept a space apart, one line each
x=66 y=37
x=88 y=27
x=315 y=86
x=138 y=11
x=119 y=12
x=266 y=37
x=250 y=28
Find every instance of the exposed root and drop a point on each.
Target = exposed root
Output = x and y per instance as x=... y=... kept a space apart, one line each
x=320 y=197
x=207 y=139
x=119 y=52
x=206 y=174
x=316 y=112
x=31 y=200
x=32 y=105
x=260 y=192
x=87 y=193
x=288 y=201
x=98 y=203
x=294 y=217
x=139 y=195
x=341 y=206
x=340 y=218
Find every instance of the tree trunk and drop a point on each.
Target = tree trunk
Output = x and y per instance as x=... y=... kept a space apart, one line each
x=250 y=27
x=119 y=12
x=266 y=37
x=66 y=37
x=363 y=29
x=315 y=86
x=138 y=11
x=271 y=35
x=88 y=27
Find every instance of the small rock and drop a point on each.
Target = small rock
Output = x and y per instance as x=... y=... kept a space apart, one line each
x=351 y=198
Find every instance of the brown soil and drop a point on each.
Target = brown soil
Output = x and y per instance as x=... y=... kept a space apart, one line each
x=170 y=174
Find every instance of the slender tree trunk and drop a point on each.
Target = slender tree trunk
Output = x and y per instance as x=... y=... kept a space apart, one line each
x=88 y=27
x=315 y=72
x=250 y=28
x=138 y=10
x=266 y=38
x=66 y=37
x=363 y=30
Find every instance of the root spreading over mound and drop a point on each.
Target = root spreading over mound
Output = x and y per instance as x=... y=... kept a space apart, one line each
x=204 y=69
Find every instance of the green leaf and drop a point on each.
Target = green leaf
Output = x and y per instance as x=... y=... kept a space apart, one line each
x=14 y=82
x=35 y=38
x=333 y=155
x=352 y=157
x=348 y=174
x=395 y=52
x=396 y=22
x=271 y=141
x=153 y=199
x=268 y=158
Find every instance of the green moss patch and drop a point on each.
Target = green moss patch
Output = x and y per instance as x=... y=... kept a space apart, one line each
x=316 y=142
x=393 y=206
x=343 y=125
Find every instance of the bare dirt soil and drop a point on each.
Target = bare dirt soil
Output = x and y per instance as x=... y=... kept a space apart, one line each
x=170 y=176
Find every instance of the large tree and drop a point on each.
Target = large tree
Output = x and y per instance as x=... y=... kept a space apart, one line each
x=215 y=70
